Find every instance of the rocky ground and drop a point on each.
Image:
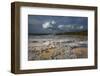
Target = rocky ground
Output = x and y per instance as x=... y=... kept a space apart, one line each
x=47 y=50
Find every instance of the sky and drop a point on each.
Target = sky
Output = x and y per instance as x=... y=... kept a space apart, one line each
x=40 y=24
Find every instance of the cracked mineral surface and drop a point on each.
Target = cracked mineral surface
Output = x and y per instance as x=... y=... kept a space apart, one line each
x=48 y=47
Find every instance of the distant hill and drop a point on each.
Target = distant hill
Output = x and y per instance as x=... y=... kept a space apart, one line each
x=64 y=33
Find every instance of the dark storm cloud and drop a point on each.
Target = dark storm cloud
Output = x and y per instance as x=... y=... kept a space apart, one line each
x=56 y=24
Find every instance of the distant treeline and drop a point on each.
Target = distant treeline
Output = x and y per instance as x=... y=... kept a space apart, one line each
x=74 y=33
x=64 y=33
